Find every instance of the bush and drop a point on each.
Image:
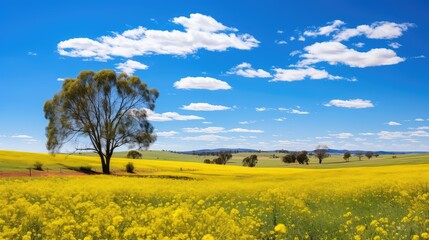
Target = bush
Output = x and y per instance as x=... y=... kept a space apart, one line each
x=129 y=167
x=207 y=161
x=250 y=161
x=38 y=166
x=289 y=158
x=134 y=154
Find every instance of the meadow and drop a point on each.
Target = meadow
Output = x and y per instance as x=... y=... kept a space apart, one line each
x=381 y=198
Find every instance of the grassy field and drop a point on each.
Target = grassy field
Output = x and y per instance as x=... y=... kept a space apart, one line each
x=189 y=200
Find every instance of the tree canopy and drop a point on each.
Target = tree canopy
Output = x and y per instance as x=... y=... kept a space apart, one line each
x=107 y=109
x=321 y=152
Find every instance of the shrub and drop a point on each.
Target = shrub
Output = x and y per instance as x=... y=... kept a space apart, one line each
x=38 y=166
x=134 y=154
x=207 y=161
x=129 y=167
x=289 y=158
x=250 y=161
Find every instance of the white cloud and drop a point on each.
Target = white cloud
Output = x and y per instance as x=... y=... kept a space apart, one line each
x=377 y=30
x=280 y=31
x=207 y=83
x=204 y=107
x=243 y=130
x=301 y=38
x=292 y=38
x=392 y=123
x=367 y=134
x=22 y=136
x=201 y=32
x=245 y=70
x=359 y=44
x=130 y=66
x=280 y=119
x=352 y=103
x=165 y=117
x=280 y=42
x=293 y=53
x=423 y=128
x=296 y=111
x=204 y=130
x=419 y=57
x=166 y=134
x=326 y=30
x=341 y=135
x=419 y=119
x=208 y=138
x=336 y=52
x=32 y=53
x=246 y=122
x=290 y=75
x=359 y=139
x=419 y=133
x=262 y=109
x=396 y=135
x=207 y=122
x=395 y=45
x=60 y=79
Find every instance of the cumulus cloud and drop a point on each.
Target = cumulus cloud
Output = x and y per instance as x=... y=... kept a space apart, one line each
x=208 y=138
x=419 y=119
x=130 y=66
x=326 y=30
x=395 y=45
x=392 y=123
x=290 y=75
x=377 y=30
x=165 y=117
x=341 y=135
x=280 y=42
x=296 y=111
x=204 y=130
x=166 y=134
x=245 y=70
x=207 y=83
x=336 y=52
x=60 y=79
x=293 y=53
x=201 y=32
x=396 y=134
x=243 y=130
x=352 y=103
x=204 y=107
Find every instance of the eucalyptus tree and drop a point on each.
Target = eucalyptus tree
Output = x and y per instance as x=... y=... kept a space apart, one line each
x=107 y=109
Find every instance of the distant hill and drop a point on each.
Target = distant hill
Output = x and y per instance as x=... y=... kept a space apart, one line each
x=331 y=151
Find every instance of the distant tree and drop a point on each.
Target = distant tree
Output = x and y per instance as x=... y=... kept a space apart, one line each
x=289 y=158
x=207 y=161
x=369 y=155
x=134 y=154
x=223 y=158
x=302 y=157
x=106 y=109
x=359 y=154
x=129 y=167
x=376 y=155
x=321 y=152
x=347 y=156
x=250 y=161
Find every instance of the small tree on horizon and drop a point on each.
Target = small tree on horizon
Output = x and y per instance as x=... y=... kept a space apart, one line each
x=359 y=154
x=369 y=155
x=134 y=154
x=289 y=158
x=321 y=153
x=250 y=161
x=347 y=156
x=223 y=158
x=302 y=157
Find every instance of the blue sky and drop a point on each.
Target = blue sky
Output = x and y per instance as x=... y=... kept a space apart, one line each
x=264 y=75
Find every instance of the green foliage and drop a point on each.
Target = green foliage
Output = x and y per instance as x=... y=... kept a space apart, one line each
x=302 y=157
x=129 y=167
x=321 y=153
x=134 y=154
x=105 y=108
x=289 y=158
x=38 y=166
x=359 y=155
x=207 y=161
x=347 y=156
x=223 y=158
x=369 y=155
x=250 y=161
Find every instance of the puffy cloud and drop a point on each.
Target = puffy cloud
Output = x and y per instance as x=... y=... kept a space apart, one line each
x=392 y=123
x=280 y=119
x=336 y=52
x=208 y=138
x=166 y=134
x=167 y=116
x=207 y=83
x=290 y=75
x=341 y=135
x=352 y=103
x=60 y=79
x=419 y=119
x=201 y=32
x=204 y=107
x=296 y=111
x=301 y=38
x=326 y=30
x=245 y=70
x=395 y=45
x=263 y=109
x=204 y=130
x=243 y=130
x=130 y=66
x=377 y=30
x=281 y=42
x=293 y=53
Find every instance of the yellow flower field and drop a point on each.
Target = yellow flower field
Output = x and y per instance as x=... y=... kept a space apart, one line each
x=220 y=202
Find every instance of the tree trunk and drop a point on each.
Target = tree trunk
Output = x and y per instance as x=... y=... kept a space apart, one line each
x=105 y=164
x=320 y=161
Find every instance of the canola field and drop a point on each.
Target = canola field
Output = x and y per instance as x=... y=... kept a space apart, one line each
x=177 y=200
